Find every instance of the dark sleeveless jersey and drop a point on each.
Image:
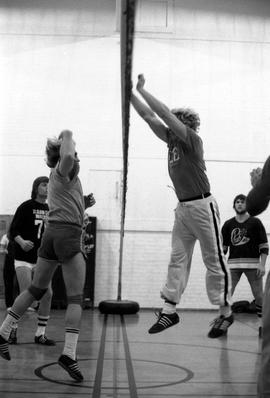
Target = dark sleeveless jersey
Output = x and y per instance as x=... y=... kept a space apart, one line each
x=28 y=222
x=186 y=165
x=246 y=241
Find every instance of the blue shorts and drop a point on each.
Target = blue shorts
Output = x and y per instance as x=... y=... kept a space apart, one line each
x=60 y=242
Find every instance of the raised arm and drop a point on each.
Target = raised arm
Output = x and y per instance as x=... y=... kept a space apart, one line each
x=67 y=153
x=178 y=128
x=149 y=116
x=258 y=198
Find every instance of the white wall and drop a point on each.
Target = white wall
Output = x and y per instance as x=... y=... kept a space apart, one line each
x=60 y=68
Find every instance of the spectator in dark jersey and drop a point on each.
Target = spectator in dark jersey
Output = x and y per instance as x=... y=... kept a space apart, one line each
x=61 y=243
x=245 y=238
x=26 y=230
x=196 y=215
x=258 y=201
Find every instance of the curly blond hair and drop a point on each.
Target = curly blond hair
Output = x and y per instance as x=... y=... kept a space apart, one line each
x=188 y=116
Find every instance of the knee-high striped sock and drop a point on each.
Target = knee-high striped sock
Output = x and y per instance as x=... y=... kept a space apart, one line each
x=71 y=339
x=42 y=323
x=259 y=313
x=9 y=322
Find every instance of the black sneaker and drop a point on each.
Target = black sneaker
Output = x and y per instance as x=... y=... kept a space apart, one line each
x=164 y=321
x=71 y=366
x=13 y=336
x=220 y=326
x=4 y=348
x=43 y=340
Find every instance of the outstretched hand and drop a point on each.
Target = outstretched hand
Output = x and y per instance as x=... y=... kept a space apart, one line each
x=140 y=82
x=255 y=176
x=65 y=133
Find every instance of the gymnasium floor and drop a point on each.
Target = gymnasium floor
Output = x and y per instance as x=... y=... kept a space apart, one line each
x=120 y=359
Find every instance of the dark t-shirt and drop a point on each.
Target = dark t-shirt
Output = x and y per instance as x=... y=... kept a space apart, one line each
x=186 y=165
x=28 y=222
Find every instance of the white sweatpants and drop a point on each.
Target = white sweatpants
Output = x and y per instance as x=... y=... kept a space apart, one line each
x=198 y=219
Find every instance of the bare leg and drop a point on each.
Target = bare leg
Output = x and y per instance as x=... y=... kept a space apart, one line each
x=74 y=277
x=43 y=317
x=45 y=303
x=24 y=276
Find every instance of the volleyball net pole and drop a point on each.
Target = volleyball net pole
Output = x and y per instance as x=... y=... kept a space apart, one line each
x=127 y=27
x=126 y=45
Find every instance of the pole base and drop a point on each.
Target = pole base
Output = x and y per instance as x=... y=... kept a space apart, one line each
x=121 y=307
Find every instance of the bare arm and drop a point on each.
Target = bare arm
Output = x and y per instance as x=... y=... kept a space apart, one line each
x=261 y=268
x=16 y=227
x=149 y=116
x=259 y=196
x=162 y=110
x=26 y=245
x=67 y=153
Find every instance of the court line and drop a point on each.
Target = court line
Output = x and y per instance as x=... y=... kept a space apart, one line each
x=115 y=339
x=129 y=365
x=100 y=361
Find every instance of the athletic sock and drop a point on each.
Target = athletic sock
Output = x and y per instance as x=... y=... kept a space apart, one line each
x=15 y=326
x=42 y=323
x=225 y=310
x=71 y=339
x=259 y=313
x=169 y=308
x=9 y=322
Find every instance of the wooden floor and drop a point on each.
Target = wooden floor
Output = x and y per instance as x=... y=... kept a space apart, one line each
x=120 y=359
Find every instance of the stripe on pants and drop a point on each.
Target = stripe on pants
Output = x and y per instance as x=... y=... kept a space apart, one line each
x=220 y=256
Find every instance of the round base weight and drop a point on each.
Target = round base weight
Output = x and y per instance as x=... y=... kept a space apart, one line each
x=118 y=307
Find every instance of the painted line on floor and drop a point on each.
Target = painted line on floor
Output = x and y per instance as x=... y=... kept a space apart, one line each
x=129 y=365
x=100 y=361
x=115 y=346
